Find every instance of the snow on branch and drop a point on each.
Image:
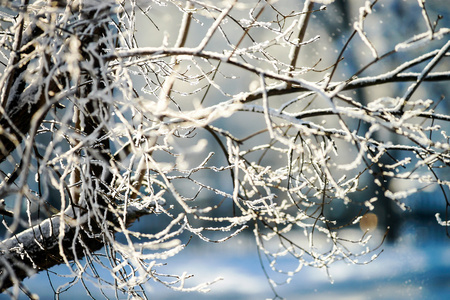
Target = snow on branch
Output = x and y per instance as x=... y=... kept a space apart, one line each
x=127 y=136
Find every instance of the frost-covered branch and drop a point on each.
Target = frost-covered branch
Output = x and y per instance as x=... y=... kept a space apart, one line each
x=57 y=240
x=126 y=136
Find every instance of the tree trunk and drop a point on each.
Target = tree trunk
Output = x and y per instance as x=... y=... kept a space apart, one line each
x=78 y=231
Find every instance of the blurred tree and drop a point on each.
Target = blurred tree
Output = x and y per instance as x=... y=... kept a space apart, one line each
x=119 y=142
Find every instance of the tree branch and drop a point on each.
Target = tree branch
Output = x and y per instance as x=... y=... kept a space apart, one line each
x=58 y=239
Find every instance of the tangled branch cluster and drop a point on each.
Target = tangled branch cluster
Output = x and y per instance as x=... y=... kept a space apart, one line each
x=220 y=127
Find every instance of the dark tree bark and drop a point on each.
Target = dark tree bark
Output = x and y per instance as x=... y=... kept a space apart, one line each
x=45 y=245
x=21 y=98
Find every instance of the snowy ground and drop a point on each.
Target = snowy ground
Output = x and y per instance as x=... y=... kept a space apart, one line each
x=403 y=271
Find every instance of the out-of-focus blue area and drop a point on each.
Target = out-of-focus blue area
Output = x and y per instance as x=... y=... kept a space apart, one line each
x=401 y=272
x=408 y=269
